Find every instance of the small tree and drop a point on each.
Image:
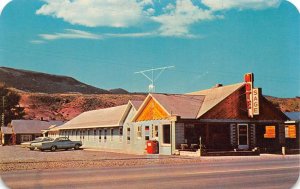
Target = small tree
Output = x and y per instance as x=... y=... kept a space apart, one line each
x=9 y=103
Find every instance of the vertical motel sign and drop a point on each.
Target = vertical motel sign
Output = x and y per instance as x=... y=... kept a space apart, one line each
x=252 y=96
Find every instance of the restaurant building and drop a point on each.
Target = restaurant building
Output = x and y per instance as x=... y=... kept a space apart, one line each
x=224 y=118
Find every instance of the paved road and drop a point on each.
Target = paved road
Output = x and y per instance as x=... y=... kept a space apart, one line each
x=274 y=173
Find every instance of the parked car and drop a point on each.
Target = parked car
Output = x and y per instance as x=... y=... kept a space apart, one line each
x=58 y=143
x=38 y=139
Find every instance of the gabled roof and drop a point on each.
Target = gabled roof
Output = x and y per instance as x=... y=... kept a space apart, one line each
x=136 y=104
x=32 y=126
x=214 y=96
x=185 y=106
x=293 y=115
x=6 y=130
x=108 y=117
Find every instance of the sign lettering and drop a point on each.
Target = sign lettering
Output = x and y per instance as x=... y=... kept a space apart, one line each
x=255 y=102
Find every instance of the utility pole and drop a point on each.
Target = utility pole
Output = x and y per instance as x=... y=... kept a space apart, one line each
x=3 y=109
x=151 y=78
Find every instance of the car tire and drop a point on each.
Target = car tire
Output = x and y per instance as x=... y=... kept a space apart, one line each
x=53 y=148
x=42 y=150
x=31 y=148
x=77 y=146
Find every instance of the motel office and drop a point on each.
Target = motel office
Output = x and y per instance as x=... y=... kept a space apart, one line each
x=223 y=118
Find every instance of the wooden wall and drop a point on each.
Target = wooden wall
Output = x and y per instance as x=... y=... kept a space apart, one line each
x=234 y=107
x=152 y=111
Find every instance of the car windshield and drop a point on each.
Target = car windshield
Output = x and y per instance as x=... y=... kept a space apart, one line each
x=42 y=139
x=38 y=139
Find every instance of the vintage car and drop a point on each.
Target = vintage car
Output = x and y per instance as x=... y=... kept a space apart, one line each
x=58 y=143
x=38 y=139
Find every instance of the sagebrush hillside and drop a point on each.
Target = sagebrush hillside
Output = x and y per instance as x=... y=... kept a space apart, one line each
x=68 y=106
x=286 y=104
x=37 y=82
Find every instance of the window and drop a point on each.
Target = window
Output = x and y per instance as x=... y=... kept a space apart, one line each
x=155 y=131
x=111 y=134
x=26 y=138
x=128 y=135
x=120 y=133
x=166 y=134
x=95 y=134
x=139 y=132
x=270 y=132
x=105 y=133
x=147 y=137
x=100 y=133
x=290 y=131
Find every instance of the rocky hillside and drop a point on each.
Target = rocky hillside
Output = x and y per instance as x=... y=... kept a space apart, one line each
x=67 y=106
x=37 y=82
x=286 y=104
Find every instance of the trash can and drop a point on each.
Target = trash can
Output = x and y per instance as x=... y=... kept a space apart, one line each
x=152 y=147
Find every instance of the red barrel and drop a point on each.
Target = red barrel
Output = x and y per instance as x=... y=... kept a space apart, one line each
x=152 y=147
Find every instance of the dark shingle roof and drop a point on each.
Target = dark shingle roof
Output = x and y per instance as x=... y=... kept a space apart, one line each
x=6 y=130
x=136 y=104
x=185 y=106
x=32 y=126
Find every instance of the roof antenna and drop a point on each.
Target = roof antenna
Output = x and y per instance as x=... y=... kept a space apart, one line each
x=151 y=78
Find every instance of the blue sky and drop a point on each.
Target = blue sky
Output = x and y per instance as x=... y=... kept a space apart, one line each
x=103 y=43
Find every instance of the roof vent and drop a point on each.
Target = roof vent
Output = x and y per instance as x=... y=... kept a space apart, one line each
x=217 y=85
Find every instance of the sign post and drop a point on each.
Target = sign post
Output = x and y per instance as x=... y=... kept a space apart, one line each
x=252 y=95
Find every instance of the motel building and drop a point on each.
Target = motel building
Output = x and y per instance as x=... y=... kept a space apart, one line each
x=232 y=118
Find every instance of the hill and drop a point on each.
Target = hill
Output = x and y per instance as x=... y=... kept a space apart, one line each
x=286 y=104
x=118 y=91
x=68 y=106
x=37 y=82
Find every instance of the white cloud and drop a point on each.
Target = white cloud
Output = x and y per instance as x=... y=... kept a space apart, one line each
x=179 y=18
x=129 y=35
x=175 y=19
x=36 y=41
x=70 y=34
x=3 y=4
x=78 y=34
x=241 y=4
x=93 y=13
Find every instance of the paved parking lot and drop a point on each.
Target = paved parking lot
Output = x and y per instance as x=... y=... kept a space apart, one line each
x=19 y=154
x=18 y=158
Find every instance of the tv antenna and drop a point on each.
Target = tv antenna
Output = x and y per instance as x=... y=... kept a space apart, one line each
x=151 y=77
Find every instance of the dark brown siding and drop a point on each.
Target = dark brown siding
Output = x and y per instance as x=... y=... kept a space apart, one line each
x=234 y=107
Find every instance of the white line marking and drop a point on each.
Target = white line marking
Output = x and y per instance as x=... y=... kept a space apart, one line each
x=245 y=170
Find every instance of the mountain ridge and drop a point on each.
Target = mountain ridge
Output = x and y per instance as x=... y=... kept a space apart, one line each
x=38 y=82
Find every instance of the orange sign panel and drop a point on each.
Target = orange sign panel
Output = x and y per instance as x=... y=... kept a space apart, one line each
x=290 y=131
x=270 y=132
x=152 y=111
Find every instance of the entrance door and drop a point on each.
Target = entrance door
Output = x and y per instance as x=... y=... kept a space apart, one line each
x=243 y=136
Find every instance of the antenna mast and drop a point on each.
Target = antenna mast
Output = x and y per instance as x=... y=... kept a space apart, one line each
x=151 y=77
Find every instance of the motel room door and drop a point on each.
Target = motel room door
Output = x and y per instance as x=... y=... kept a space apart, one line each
x=243 y=141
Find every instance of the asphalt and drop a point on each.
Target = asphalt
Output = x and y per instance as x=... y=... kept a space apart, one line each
x=273 y=173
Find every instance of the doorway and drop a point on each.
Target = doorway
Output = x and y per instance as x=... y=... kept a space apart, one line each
x=243 y=141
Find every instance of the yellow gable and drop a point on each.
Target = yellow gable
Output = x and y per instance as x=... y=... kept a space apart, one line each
x=152 y=111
